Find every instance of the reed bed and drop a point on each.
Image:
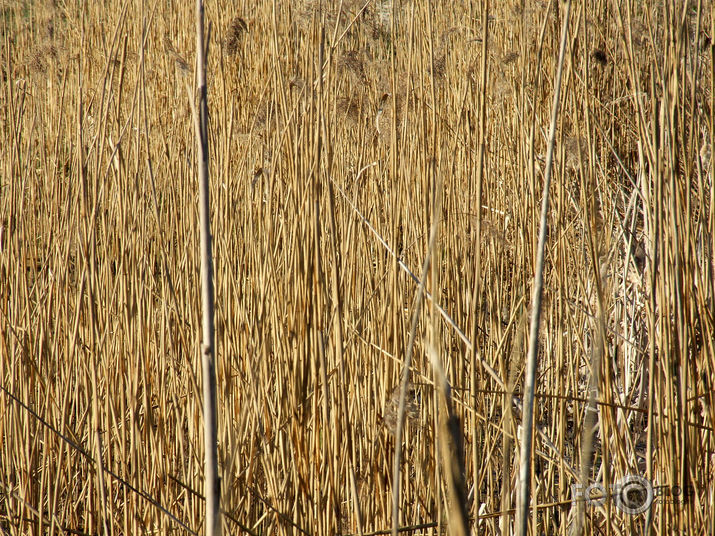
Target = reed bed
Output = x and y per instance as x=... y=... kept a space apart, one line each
x=340 y=132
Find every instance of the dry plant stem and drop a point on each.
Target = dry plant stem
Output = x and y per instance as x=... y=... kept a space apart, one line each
x=522 y=511
x=100 y=462
x=452 y=448
x=477 y=284
x=405 y=380
x=590 y=413
x=510 y=423
x=212 y=485
x=87 y=279
x=597 y=355
x=435 y=204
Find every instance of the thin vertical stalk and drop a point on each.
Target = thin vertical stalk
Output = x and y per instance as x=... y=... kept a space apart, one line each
x=476 y=285
x=522 y=509
x=212 y=488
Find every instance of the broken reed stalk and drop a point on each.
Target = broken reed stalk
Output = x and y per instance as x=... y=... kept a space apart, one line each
x=452 y=448
x=590 y=412
x=212 y=486
x=509 y=426
x=522 y=509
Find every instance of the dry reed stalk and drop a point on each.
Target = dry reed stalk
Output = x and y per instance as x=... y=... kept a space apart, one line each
x=522 y=518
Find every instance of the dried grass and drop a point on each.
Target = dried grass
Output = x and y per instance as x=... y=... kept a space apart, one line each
x=99 y=265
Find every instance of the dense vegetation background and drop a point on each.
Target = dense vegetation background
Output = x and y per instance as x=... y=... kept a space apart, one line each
x=332 y=129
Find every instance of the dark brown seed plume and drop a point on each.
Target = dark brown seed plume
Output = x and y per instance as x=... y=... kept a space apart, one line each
x=600 y=56
x=234 y=35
